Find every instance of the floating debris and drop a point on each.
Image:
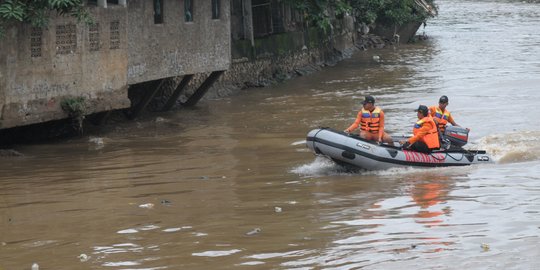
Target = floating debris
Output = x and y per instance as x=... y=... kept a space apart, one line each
x=161 y=120
x=97 y=141
x=147 y=205
x=278 y=209
x=165 y=202
x=254 y=232
x=83 y=257
x=35 y=266
x=484 y=246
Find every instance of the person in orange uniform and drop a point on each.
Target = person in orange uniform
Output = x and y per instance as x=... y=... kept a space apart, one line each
x=371 y=121
x=440 y=115
x=425 y=135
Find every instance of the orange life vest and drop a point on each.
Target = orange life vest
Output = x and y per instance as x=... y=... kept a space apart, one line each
x=432 y=138
x=371 y=121
x=442 y=117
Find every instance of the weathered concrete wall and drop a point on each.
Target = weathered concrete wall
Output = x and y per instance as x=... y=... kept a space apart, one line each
x=281 y=56
x=177 y=47
x=405 y=33
x=40 y=68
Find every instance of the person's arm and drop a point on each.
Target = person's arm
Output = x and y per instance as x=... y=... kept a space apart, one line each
x=451 y=120
x=421 y=133
x=432 y=111
x=356 y=123
x=381 y=126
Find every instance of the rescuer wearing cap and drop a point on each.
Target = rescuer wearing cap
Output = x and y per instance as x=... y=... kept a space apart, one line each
x=425 y=135
x=371 y=121
x=440 y=115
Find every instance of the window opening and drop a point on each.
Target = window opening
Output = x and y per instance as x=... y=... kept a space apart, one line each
x=158 y=11
x=115 y=35
x=66 y=38
x=216 y=9
x=188 y=10
x=36 y=41
x=93 y=37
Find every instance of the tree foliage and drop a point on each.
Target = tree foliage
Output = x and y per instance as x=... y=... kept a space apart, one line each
x=38 y=12
x=389 y=12
x=317 y=12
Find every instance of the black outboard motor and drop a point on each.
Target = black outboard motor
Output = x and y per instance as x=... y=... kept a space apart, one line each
x=456 y=136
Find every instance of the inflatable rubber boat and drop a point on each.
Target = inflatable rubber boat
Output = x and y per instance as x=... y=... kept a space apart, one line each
x=351 y=151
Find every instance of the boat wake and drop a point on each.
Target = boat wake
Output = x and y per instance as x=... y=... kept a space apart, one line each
x=512 y=147
x=321 y=166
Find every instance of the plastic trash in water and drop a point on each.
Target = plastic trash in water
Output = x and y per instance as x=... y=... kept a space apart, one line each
x=83 y=257
x=147 y=205
x=35 y=266
x=484 y=246
x=254 y=232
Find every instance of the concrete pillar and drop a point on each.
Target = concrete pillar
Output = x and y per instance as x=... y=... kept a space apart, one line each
x=199 y=93
x=248 y=21
x=172 y=99
x=102 y=3
x=145 y=100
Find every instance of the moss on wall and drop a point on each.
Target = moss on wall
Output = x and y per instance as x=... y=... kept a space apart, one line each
x=278 y=44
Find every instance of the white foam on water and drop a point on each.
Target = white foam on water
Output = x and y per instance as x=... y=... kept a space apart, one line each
x=302 y=142
x=321 y=166
x=216 y=253
x=512 y=147
x=127 y=231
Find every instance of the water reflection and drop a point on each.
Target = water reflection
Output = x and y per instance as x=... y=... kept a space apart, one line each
x=199 y=188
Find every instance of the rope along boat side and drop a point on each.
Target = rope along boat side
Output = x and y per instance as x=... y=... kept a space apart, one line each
x=351 y=150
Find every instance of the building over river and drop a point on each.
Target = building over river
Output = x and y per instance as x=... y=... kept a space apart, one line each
x=132 y=43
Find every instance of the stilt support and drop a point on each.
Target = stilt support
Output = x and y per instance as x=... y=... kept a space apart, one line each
x=100 y=118
x=145 y=100
x=174 y=97
x=199 y=93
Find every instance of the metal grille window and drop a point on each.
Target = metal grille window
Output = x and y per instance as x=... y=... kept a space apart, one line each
x=216 y=9
x=93 y=37
x=36 y=41
x=262 y=18
x=188 y=10
x=158 y=11
x=115 y=35
x=66 y=38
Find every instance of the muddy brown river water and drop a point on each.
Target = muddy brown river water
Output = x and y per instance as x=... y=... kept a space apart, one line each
x=231 y=185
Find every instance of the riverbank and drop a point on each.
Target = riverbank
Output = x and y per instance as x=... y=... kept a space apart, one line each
x=261 y=71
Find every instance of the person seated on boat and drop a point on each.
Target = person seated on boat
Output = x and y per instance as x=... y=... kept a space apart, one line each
x=425 y=135
x=441 y=116
x=371 y=121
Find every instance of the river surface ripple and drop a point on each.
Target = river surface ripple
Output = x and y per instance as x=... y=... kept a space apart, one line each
x=231 y=185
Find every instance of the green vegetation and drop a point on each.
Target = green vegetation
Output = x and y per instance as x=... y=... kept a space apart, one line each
x=76 y=109
x=389 y=12
x=317 y=12
x=386 y=12
x=38 y=12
